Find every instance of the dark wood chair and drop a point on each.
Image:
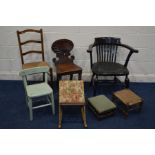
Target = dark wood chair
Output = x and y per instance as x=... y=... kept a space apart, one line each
x=64 y=60
x=105 y=64
x=24 y=43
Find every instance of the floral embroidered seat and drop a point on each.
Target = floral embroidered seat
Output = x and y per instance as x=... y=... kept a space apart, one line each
x=129 y=100
x=71 y=93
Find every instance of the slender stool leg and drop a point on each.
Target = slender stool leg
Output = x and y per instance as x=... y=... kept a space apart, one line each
x=60 y=117
x=83 y=111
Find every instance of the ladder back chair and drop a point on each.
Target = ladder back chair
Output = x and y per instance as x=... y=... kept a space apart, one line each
x=64 y=60
x=105 y=64
x=37 y=90
x=23 y=43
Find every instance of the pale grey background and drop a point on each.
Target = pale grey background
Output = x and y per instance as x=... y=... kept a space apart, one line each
x=141 y=65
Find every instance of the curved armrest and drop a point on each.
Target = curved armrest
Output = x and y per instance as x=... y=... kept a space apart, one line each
x=132 y=50
x=90 y=52
x=129 y=48
x=72 y=57
x=90 y=48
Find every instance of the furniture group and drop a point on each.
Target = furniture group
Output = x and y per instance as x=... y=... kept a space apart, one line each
x=103 y=63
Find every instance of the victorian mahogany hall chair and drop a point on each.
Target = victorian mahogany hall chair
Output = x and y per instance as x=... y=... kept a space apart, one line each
x=64 y=60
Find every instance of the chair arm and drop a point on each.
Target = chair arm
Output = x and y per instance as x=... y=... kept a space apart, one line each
x=72 y=57
x=129 y=48
x=90 y=48
x=132 y=50
x=129 y=55
x=90 y=52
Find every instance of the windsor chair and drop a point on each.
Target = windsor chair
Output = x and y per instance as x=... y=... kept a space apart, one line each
x=105 y=64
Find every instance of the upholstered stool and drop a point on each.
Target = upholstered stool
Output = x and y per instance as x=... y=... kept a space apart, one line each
x=101 y=106
x=128 y=99
x=71 y=93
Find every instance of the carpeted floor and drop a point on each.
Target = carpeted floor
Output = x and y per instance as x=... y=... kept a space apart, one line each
x=14 y=113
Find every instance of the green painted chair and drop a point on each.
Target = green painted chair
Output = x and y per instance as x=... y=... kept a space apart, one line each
x=37 y=90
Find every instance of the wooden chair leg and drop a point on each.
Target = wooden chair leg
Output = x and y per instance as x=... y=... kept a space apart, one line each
x=83 y=111
x=71 y=76
x=94 y=86
x=58 y=78
x=115 y=79
x=51 y=77
x=80 y=75
x=126 y=81
x=43 y=77
x=60 y=117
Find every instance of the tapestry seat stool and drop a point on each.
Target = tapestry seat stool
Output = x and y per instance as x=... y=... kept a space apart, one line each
x=71 y=93
x=101 y=106
x=128 y=99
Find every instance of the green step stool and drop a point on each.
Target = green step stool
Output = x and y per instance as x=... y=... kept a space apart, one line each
x=101 y=106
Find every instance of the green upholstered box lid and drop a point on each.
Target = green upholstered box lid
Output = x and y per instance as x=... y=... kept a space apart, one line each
x=101 y=103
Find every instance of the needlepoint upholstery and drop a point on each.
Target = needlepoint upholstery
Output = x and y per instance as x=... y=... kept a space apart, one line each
x=71 y=92
x=128 y=97
x=101 y=103
x=129 y=100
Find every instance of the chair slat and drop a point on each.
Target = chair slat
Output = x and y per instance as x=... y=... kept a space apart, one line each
x=31 y=41
x=29 y=52
x=21 y=43
x=29 y=30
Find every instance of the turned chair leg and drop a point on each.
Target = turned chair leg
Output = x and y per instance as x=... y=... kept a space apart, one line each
x=58 y=78
x=91 y=82
x=127 y=81
x=83 y=111
x=71 y=76
x=80 y=75
x=115 y=79
x=94 y=86
x=60 y=117
x=51 y=77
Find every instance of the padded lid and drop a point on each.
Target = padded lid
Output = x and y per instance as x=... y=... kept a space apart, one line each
x=101 y=103
x=128 y=97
